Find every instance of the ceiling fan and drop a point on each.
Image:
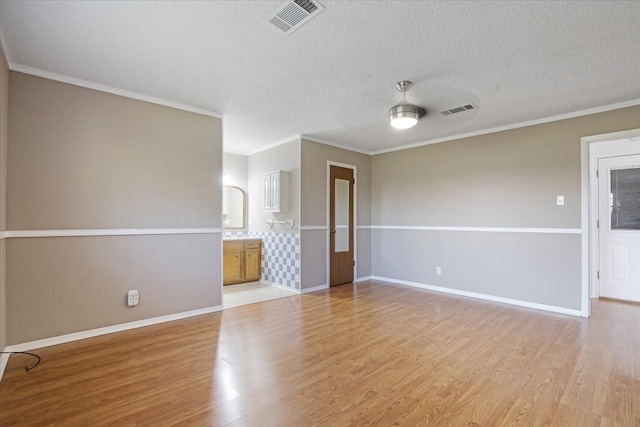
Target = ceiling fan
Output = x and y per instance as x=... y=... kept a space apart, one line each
x=405 y=115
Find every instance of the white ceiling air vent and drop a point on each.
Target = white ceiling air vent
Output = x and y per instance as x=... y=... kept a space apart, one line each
x=291 y=15
x=459 y=109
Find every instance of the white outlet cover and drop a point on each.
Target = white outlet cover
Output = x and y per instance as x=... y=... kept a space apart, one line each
x=133 y=298
x=560 y=200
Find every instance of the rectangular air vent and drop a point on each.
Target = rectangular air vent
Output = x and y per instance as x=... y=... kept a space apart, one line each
x=291 y=15
x=459 y=109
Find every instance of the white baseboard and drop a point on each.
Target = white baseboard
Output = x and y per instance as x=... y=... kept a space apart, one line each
x=275 y=285
x=314 y=289
x=520 y=303
x=76 y=336
x=362 y=279
x=297 y=291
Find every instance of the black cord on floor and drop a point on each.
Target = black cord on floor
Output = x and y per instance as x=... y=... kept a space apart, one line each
x=28 y=367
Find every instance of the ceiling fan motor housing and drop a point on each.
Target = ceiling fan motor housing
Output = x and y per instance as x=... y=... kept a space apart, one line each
x=406 y=110
x=405 y=115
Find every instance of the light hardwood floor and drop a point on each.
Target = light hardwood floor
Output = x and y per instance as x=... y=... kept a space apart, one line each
x=366 y=354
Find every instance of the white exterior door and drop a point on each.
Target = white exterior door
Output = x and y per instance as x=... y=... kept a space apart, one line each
x=619 y=227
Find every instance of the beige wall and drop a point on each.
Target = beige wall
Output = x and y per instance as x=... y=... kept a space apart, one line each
x=83 y=159
x=96 y=160
x=504 y=179
x=507 y=179
x=285 y=157
x=314 y=158
x=60 y=285
x=4 y=115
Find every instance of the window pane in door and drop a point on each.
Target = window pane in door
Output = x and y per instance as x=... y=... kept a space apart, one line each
x=625 y=199
x=342 y=215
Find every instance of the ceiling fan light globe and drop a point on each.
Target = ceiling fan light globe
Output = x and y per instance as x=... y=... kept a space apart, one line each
x=404 y=116
x=404 y=122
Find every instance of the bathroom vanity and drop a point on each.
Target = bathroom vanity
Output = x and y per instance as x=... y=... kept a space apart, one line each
x=241 y=260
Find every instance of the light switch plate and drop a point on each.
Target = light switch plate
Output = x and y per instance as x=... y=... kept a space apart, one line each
x=560 y=200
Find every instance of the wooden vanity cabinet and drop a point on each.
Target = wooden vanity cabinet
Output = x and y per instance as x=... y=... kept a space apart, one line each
x=252 y=249
x=232 y=262
x=241 y=261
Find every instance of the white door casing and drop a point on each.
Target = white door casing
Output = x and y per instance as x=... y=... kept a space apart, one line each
x=619 y=227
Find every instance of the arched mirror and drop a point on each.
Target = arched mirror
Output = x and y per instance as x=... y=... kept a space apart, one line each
x=234 y=207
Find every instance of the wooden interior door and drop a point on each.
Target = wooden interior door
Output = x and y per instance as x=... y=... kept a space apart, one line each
x=341 y=253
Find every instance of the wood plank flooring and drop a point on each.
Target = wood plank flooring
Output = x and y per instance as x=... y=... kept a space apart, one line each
x=365 y=354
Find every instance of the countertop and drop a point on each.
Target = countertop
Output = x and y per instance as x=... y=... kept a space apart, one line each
x=231 y=239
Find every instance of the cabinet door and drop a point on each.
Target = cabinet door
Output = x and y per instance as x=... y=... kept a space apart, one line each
x=266 y=192
x=233 y=268
x=252 y=265
x=275 y=191
x=275 y=186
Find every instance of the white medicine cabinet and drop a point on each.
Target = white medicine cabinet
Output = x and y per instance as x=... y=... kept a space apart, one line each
x=275 y=189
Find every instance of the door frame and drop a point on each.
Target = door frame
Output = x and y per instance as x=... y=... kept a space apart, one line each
x=594 y=148
x=354 y=219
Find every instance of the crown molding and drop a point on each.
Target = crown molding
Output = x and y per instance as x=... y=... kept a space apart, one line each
x=232 y=151
x=3 y=48
x=275 y=144
x=579 y=113
x=184 y=107
x=112 y=90
x=335 y=144
x=549 y=119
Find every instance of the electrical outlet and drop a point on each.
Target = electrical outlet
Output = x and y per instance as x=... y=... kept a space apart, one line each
x=438 y=271
x=133 y=298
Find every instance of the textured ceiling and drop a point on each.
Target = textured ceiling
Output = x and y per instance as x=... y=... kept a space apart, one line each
x=334 y=78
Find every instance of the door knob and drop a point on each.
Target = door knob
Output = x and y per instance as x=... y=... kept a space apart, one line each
x=333 y=231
